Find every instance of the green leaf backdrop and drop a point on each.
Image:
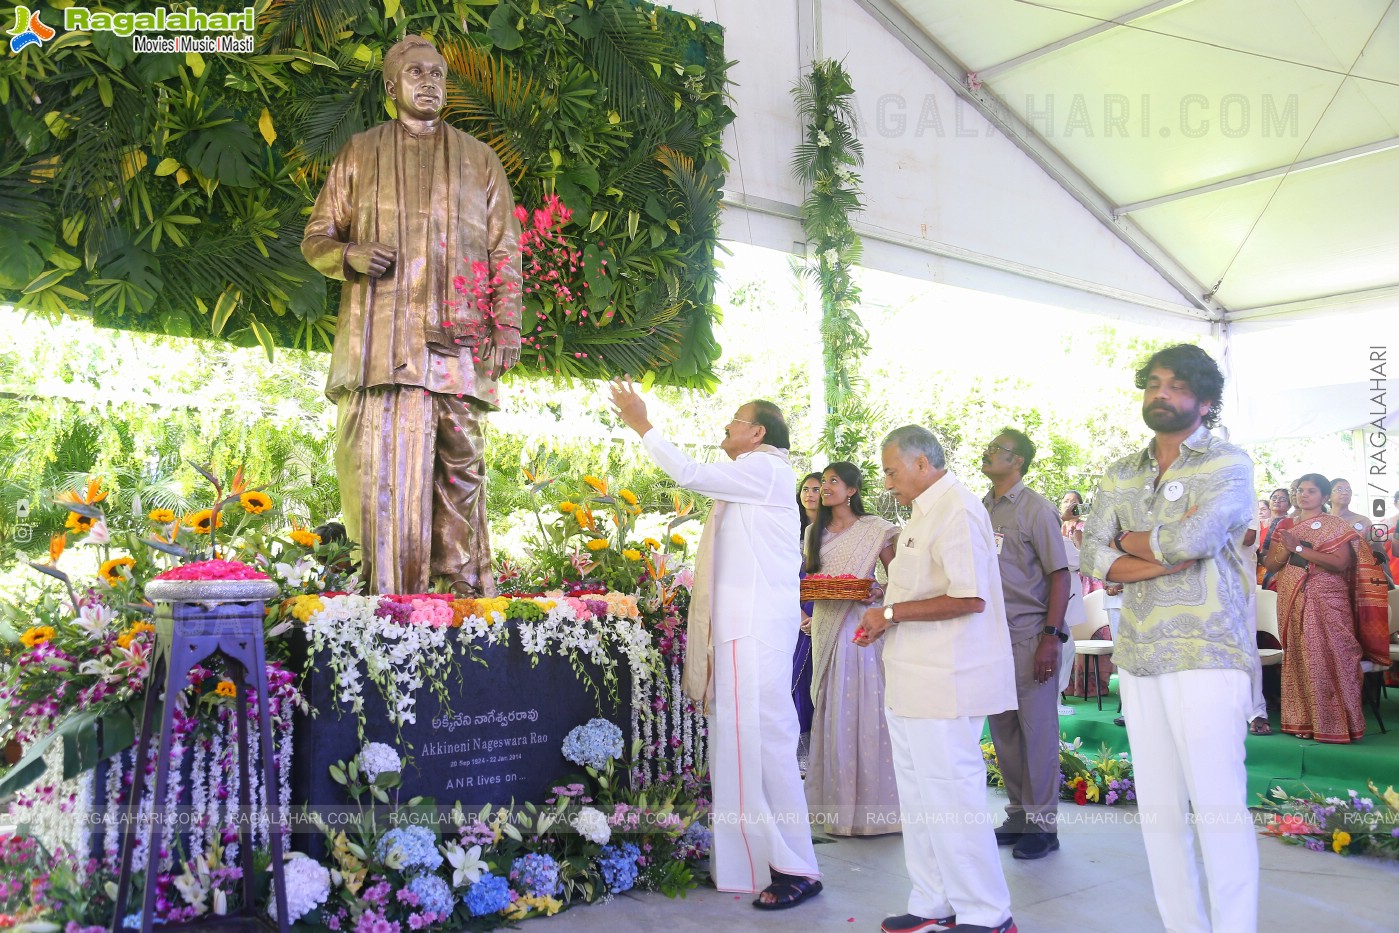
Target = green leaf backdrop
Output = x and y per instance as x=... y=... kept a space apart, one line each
x=167 y=193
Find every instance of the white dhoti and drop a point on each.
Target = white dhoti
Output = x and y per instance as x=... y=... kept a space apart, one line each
x=760 y=813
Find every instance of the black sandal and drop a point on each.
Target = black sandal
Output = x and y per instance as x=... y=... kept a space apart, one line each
x=1260 y=726
x=790 y=890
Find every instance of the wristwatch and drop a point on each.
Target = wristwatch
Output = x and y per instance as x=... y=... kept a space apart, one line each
x=1298 y=548
x=889 y=614
x=1060 y=634
x=1117 y=540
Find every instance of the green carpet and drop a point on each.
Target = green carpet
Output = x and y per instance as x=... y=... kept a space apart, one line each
x=1274 y=760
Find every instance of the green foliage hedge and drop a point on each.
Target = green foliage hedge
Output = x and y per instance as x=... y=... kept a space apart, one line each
x=167 y=193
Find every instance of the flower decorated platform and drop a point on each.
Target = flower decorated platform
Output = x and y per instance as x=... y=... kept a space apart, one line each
x=441 y=763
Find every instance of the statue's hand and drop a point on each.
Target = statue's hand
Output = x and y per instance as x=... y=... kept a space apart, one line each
x=371 y=259
x=505 y=359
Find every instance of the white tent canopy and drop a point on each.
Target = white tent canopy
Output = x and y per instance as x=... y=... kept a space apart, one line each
x=1223 y=165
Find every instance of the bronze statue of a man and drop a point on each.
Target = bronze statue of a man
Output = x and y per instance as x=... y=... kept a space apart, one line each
x=409 y=206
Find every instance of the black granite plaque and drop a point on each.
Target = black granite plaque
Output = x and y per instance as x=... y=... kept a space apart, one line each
x=498 y=739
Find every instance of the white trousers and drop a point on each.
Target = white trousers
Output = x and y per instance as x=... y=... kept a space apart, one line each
x=949 y=836
x=1259 y=706
x=1186 y=730
x=760 y=814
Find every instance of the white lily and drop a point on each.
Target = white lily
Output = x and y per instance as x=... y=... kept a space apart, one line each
x=466 y=864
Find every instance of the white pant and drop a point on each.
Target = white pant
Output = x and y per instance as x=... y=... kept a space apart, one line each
x=949 y=837
x=1186 y=730
x=760 y=815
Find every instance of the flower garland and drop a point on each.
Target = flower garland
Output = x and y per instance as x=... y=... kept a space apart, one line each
x=398 y=643
x=825 y=162
x=1106 y=779
x=1351 y=825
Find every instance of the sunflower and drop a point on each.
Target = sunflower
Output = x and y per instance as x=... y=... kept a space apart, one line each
x=161 y=516
x=36 y=636
x=567 y=507
x=599 y=485
x=627 y=496
x=677 y=540
x=305 y=538
x=202 y=521
x=597 y=544
x=585 y=519
x=79 y=524
x=651 y=544
x=255 y=503
x=632 y=554
x=226 y=688
x=111 y=570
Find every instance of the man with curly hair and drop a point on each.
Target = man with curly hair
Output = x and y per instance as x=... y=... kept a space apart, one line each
x=1169 y=522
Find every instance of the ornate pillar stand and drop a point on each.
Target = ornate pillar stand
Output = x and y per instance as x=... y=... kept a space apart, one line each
x=195 y=619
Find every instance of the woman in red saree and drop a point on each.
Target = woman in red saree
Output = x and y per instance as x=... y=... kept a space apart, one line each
x=1326 y=613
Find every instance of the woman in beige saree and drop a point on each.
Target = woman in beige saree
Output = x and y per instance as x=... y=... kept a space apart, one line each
x=850 y=786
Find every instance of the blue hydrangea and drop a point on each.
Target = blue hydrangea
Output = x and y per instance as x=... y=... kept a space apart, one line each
x=695 y=842
x=593 y=744
x=433 y=893
x=417 y=845
x=536 y=874
x=490 y=895
x=618 y=864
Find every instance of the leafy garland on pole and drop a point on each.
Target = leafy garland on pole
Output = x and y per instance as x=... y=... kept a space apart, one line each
x=167 y=192
x=825 y=162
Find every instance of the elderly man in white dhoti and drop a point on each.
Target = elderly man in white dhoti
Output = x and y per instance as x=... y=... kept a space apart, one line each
x=746 y=589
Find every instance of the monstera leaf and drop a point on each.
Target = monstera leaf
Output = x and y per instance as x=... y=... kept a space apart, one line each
x=228 y=152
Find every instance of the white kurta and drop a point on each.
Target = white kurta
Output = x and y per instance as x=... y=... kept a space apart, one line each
x=757 y=555
x=760 y=813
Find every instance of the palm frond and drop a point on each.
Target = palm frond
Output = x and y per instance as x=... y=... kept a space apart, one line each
x=318 y=21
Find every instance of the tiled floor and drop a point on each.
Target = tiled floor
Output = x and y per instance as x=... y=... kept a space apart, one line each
x=1097 y=881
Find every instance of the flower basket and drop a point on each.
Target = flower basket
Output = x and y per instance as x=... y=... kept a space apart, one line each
x=817 y=586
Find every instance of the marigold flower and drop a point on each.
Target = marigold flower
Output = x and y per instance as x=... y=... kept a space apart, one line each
x=161 y=516
x=600 y=486
x=81 y=524
x=631 y=554
x=38 y=635
x=1339 y=840
x=567 y=507
x=627 y=496
x=307 y=539
x=203 y=521
x=676 y=540
x=597 y=544
x=305 y=606
x=226 y=688
x=111 y=571
x=255 y=503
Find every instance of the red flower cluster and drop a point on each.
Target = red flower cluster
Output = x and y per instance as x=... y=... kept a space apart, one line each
x=1081 y=792
x=839 y=576
x=212 y=570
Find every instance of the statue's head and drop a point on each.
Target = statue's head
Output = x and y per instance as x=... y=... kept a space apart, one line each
x=415 y=76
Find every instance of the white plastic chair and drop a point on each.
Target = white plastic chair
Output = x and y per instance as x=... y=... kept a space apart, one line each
x=1085 y=644
x=1266 y=620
